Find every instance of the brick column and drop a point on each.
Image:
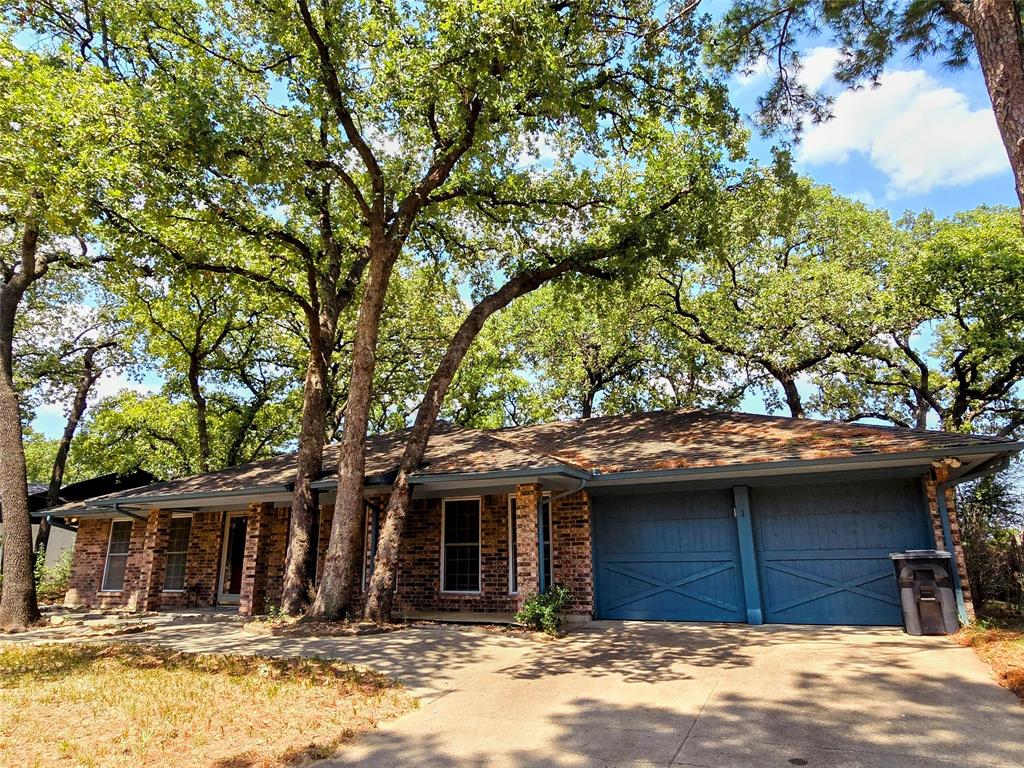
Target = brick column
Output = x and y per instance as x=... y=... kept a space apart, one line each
x=152 y=562
x=253 y=597
x=939 y=475
x=571 y=550
x=528 y=498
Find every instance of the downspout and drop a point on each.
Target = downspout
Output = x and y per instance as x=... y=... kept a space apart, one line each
x=541 y=531
x=988 y=468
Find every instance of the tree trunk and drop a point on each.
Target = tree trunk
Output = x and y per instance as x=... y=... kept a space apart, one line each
x=996 y=26
x=202 y=424
x=793 y=399
x=385 y=568
x=18 y=608
x=300 y=565
x=334 y=596
x=78 y=406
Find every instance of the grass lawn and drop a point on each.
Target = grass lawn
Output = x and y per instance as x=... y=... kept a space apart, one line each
x=122 y=704
x=999 y=641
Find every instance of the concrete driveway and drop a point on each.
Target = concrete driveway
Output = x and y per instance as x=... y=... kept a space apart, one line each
x=637 y=693
x=703 y=695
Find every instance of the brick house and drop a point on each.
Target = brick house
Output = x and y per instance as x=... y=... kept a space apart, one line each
x=677 y=515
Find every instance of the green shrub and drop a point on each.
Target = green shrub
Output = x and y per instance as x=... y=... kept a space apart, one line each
x=52 y=582
x=544 y=612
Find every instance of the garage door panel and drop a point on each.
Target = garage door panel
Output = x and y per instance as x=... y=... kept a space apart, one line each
x=823 y=551
x=667 y=556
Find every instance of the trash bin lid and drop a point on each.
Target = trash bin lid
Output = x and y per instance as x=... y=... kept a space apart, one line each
x=920 y=554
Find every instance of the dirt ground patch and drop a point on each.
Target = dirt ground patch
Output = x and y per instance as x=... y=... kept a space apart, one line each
x=1000 y=644
x=124 y=704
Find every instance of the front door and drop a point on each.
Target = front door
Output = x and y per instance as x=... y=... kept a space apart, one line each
x=233 y=558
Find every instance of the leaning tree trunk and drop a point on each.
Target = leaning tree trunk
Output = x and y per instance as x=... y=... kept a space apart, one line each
x=60 y=461
x=385 y=567
x=300 y=565
x=996 y=27
x=334 y=596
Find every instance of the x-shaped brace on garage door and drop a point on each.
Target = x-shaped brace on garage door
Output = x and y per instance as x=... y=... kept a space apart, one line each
x=671 y=586
x=833 y=586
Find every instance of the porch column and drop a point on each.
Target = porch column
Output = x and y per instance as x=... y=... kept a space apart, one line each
x=528 y=498
x=153 y=562
x=946 y=530
x=252 y=599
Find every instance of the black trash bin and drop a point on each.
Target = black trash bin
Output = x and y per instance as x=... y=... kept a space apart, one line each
x=926 y=591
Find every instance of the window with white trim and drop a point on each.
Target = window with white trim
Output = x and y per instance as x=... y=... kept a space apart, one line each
x=177 y=554
x=117 y=555
x=460 y=553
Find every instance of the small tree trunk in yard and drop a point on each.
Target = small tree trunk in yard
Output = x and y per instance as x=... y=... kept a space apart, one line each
x=334 y=595
x=85 y=384
x=996 y=26
x=379 y=598
x=300 y=565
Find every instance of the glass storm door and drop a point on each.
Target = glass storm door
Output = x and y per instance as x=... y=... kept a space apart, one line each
x=232 y=558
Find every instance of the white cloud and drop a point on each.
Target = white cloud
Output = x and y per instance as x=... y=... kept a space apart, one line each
x=817 y=66
x=863 y=196
x=919 y=133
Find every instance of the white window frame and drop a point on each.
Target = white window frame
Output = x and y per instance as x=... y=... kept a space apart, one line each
x=550 y=539
x=125 y=555
x=187 y=544
x=479 y=545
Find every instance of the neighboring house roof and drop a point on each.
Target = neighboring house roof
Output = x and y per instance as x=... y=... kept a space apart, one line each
x=597 y=448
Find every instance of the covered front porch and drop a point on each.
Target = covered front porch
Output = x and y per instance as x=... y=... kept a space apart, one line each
x=465 y=551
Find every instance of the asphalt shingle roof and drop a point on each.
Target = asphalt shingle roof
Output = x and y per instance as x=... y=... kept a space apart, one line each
x=632 y=442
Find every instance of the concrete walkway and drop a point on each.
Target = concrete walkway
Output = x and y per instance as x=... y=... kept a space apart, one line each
x=627 y=693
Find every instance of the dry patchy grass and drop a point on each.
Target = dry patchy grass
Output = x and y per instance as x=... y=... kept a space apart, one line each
x=121 y=704
x=1000 y=644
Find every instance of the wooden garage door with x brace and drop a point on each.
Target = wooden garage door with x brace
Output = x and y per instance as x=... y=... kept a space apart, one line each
x=669 y=556
x=823 y=550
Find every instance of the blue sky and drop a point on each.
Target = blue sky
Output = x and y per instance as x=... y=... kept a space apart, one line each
x=924 y=138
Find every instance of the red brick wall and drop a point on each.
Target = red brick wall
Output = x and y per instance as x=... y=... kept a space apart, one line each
x=419 y=580
x=88 y=562
x=201 y=569
x=571 y=553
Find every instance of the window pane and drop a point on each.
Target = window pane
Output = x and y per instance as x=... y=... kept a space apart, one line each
x=174 y=577
x=462 y=522
x=114 y=577
x=462 y=568
x=461 y=546
x=177 y=540
x=120 y=537
x=513 y=548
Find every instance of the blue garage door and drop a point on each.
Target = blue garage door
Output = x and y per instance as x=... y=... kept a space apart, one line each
x=823 y=551
x=671 y=556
